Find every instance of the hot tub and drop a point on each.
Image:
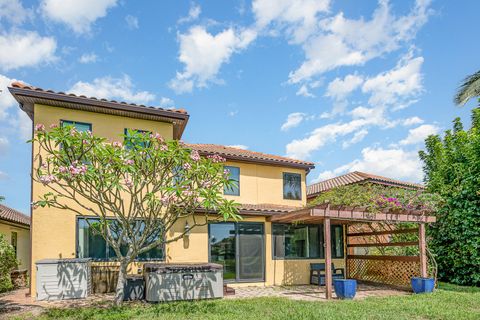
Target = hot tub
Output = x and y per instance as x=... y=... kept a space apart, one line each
x=190 y=281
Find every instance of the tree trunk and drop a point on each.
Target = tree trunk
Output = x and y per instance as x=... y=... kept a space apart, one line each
x=122 y=278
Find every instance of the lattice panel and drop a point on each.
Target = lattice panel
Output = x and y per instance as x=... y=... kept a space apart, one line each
x=390 y=272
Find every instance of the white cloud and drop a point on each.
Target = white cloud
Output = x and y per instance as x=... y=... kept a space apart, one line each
x=6 y=99
x=203 y=53
x=357 y=137
x=132 y=22
x=302 y=148
x=340 y=41
x=394 y=163
x=112 y=88
x=25 y=49
x=23 y=125
x=14 y=12
x=3 y=176
x=88 y=58
x=293 y=120
x=193 y=14
x=166 y=102
x=362 y=118
x=78 y=15
x=233 y=113
x=239 y=146
x=398 y=86
x=3 y=145
x=304 y=91
x=419 y=134
x=412 y=121
x=339 y=89
x=19 y=121
x=297 y=17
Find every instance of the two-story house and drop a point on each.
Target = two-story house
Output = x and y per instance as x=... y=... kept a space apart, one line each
x=253 y=250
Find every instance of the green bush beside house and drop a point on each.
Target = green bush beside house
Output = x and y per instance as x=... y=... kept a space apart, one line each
x=8 y=262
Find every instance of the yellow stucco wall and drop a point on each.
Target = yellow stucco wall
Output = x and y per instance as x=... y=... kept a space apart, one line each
x=23 y=242
x=260 y=183
x=54 y=230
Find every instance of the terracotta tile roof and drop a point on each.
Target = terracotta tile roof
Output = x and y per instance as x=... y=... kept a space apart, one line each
x=27 y=96
x=265 y=208
x=232 y=153
x=21 y=85
x=13 y=215
x=356 y=177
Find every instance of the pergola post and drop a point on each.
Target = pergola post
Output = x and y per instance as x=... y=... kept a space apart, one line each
x=328 y=258
x=422 y=246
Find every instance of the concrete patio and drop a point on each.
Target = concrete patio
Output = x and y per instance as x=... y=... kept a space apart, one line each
x=312 y=292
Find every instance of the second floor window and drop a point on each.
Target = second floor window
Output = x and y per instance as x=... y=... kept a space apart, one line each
x=292 y=186
x=234 y=174
x=80 y=126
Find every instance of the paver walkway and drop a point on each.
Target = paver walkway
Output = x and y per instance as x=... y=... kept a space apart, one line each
x=311 y=293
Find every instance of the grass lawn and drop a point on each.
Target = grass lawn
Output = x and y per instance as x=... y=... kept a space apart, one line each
x=448 y=302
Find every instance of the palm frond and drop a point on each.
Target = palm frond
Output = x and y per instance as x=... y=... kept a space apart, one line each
x=470 y=88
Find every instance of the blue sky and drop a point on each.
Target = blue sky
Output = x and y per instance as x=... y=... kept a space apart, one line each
x=349 y=85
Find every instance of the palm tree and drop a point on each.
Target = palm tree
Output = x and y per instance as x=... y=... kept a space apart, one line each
x=470 y=88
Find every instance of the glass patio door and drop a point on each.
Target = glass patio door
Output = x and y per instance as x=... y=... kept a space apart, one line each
x=240 y=248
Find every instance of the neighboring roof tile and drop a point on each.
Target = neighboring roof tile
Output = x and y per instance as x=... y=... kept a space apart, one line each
x=13 y=215
x=21 y=85
x=247 y=155
x=355 y=177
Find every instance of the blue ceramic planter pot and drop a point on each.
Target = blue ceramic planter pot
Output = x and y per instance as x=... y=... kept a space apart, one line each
x=345 y=288
x=423 y=285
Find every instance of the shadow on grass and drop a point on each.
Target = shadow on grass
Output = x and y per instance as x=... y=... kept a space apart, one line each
x=456 y=288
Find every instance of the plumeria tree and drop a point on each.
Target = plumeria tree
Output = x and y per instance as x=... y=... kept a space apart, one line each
x=137 y=188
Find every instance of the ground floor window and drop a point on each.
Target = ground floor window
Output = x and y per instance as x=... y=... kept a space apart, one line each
x=91 y=244
x=305 y=241
x=240 y=248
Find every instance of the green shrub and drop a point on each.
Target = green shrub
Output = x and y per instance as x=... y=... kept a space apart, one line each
x=8 y=262
x=452 y=169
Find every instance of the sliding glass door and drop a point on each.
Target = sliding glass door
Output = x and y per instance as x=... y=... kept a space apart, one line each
x=240 y=248
x=223 y=248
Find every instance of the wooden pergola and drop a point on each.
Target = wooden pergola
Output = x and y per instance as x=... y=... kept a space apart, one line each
x=327 y=215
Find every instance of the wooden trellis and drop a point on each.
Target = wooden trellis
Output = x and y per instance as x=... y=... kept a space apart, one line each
x=386 y=269
x=396 y=270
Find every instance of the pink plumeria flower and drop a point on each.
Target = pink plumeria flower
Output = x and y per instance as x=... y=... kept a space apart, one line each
x=117 y=144
x=39 y=127
x=128 y=182
x=194 y=155
x=48 y=179
x=129 y=162
x=157 y=136
x=53 y=126
x=187 y=166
